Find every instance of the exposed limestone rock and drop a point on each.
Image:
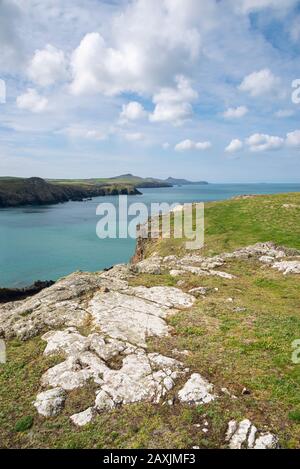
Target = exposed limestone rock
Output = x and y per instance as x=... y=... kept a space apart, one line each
x=244 y=435
x=148 y=266
x=128 y=318
x=62 y=305
x=100 y=300
x=258 y=250
x=200 y=272
x=288 y=267
x=169 y=297
x=104 y=401
x=142 y=377
x=83 y=418
x=266 y=441
x=117 y=272
x=237 y=434
x=205 y=266
x=75 y=372
x=196 y=391
x=266 y=259
x=51 y=402
x=68 y=341
x=113 y=355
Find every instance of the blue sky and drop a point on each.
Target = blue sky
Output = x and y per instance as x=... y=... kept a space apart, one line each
x=182 y=88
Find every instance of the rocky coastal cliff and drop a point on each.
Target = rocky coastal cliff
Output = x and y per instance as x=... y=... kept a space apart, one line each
x=176 y=350
x=37 y=191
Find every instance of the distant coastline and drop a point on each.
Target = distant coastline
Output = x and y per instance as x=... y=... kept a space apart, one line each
x=16 y=192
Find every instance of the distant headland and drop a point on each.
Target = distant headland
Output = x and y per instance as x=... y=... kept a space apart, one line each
x=15 y=191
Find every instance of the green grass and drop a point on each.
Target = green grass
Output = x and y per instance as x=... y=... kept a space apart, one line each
x=24 y=424
x=250 y=347
x=239 y=222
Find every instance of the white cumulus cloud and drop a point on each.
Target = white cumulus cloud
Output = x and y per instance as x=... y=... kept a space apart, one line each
x=234 y=145
x=293 y=139
x=188 y=145
x=132 y=111
x=236 y=113
x=174 y=104
x=32 y=101
x=259 y=83
x=47 y=66
x=148 y=44
x=263 y=142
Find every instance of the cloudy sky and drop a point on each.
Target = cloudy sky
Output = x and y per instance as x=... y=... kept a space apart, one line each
x=189 y=88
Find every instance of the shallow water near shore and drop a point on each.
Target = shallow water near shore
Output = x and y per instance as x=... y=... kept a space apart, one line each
x=48 y=242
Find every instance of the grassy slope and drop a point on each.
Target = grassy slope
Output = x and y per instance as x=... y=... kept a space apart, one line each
x=249 y=349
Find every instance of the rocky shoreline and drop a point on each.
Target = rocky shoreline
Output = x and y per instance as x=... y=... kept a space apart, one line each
x=16 y=294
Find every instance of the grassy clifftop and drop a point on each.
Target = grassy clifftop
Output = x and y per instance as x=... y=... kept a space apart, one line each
x=242 y=221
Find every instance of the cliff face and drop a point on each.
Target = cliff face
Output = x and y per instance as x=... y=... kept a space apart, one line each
x=36 y=191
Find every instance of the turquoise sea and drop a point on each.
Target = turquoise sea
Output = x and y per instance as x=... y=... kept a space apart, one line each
x=48 y=242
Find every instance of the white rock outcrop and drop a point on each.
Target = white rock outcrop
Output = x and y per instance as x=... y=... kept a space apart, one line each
x=50 y=403
x=83 y=418
x=288 y=267
x=196 y=390
x=114 y=354
x=244 y=435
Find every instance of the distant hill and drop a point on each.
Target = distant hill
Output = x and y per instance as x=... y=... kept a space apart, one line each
x=137 y=181
x=182 y=182
x=37 y=191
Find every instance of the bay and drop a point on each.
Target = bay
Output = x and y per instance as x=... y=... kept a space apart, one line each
x=51 y=241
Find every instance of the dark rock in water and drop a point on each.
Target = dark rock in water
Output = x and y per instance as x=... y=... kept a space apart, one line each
x=15 y=294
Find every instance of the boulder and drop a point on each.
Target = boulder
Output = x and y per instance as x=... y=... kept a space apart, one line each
x=196 y=390
x=50 y=403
